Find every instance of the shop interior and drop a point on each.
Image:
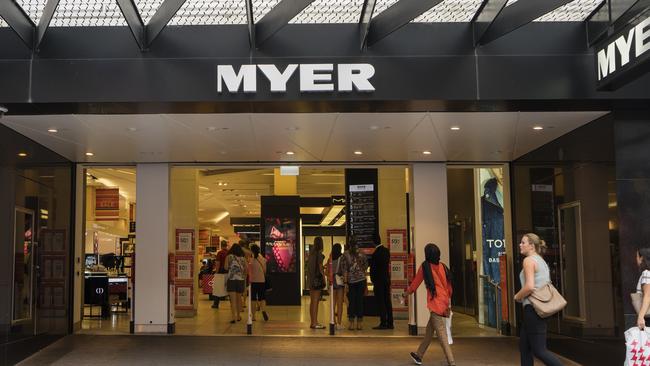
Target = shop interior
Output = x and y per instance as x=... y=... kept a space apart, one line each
x=227 y=204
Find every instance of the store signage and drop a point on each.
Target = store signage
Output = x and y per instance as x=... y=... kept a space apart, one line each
x=313 y=77
x=619 y=59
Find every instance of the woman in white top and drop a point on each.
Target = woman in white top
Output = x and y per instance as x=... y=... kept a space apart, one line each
x=643 y=286
x=535 y=274
x=258 y=282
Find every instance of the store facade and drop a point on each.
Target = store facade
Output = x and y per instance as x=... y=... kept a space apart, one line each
x=485 y=76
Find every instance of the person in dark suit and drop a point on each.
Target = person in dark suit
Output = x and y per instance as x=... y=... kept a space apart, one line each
x=380 y=277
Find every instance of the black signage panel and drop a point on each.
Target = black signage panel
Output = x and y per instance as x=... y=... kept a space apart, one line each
x=624 y=56
x=362 y=206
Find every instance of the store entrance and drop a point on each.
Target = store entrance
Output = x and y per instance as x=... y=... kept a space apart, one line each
x=109 y=251
x=282 y=212
x=478 y=253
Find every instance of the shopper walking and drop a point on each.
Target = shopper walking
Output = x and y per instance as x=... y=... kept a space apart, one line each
x=643 y=286
x=436 y=278
x=258 y=282
x=219 y=282
x=338 y=284
x=535 y=274
x=316 y=280
x=353 y=268
x=236 y=280
x=380 y=277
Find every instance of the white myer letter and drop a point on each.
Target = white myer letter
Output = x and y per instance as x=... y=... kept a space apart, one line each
x=278 y=79
x=356 y=74
x=624 y=46
x=642 y=34
x=247 y=74
x=606 y=61
x=308 y=77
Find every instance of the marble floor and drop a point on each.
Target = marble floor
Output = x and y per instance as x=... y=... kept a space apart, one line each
x=284 y=321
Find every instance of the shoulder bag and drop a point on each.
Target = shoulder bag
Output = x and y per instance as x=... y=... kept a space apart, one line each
x=337 y=277
x=637 y=301
x=546 y=300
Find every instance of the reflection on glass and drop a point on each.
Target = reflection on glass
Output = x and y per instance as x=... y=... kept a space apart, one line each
x=23 y=271
x=571 y=250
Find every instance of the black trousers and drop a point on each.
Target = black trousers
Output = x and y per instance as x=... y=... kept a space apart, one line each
x=532 y=340
x=384 y=305
x=355 y=298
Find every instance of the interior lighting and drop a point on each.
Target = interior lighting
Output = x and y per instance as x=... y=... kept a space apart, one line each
x=22 y=154
x=52 y=130
x=538 y=128
x=289 y=153
x=454 y=128
x=358 y=152
x=426 y=152
x=90 y=154
x=221 y=216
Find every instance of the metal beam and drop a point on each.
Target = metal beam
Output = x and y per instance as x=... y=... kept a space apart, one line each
x=398 y=15
x=134 y=20
x=277 y=18
x=597 y=23
x=517 y=15
x=251 y=23
x=22 y=25
x=44 y=22
x=160 y=19
x=485 y=16
x=364 y=20
x=632 y=11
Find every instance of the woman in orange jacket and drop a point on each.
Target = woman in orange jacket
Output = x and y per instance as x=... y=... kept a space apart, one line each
x=436 y=278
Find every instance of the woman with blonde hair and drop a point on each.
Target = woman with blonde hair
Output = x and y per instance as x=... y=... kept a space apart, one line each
x=534 y=275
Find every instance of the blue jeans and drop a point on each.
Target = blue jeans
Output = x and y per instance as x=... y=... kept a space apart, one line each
x=355 y=298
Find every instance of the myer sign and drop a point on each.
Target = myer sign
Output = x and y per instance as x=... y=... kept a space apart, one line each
x=619 y=58
x=313 y=77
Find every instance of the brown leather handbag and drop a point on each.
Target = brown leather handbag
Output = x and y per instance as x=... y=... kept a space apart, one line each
x=547 y=300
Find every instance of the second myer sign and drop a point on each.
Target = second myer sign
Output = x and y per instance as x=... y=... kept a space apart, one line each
x=619 y=59
x=312 y=77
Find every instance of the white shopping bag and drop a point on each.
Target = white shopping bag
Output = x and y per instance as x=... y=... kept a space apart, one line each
x=448 y=326
x=219 y=285
x=637 y=347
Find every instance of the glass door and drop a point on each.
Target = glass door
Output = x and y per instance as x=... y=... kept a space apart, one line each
x=23 y=271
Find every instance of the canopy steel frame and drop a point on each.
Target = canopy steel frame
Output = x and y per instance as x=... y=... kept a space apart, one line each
x=395 y=17
x=277 y=18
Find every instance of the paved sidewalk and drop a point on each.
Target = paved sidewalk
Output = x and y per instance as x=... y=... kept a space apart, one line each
x=97 y=350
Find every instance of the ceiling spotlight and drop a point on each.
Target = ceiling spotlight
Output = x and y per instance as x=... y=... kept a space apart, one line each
x=52 y=130
x=211 y=128
x=426 y=152
x=22 y=154
x=538 y=128
x=292 y=128
x=454 y=128
x=374 y=128
x=90 y=154
x=358 y=152
x=289 y=153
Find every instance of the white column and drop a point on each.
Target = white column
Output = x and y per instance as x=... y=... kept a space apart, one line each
x=429 y=220
x=151 y=248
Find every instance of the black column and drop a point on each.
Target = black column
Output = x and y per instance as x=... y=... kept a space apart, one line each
x=632 y=143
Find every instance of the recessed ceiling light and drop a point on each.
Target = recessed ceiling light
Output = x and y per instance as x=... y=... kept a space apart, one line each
x=289 y=153
x=132 y=129
x=538 y=128
x=454 y=128
x=90 y=154
x=358 y=152
x=374 y=128
x=426 y=152
x=292 y=128
x=211 y=128
x=52 y=130
x=22 y=154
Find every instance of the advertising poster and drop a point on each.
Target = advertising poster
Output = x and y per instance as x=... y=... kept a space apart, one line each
x=398 y=267
x=184 y=297
x=493 y=239
x=281 y=244
x=397 y=240
x=184 y=267
x=107 y=204
x=185 y=240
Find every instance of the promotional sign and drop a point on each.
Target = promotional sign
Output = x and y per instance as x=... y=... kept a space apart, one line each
x=492 y=233
x=397 y=240
x=207 y=281
x=107 y=204
x=184 y=267
x=185 y=240
x=280 y=239
x=184 y=297
x=623 y=57
x=399 y=268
